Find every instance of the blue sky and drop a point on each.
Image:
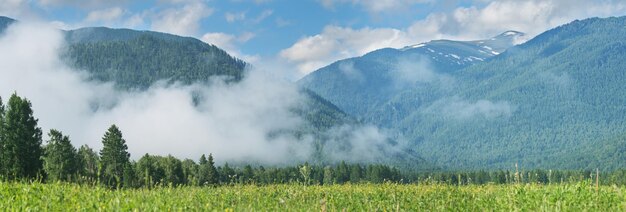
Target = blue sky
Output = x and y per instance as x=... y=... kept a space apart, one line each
x=295 y=37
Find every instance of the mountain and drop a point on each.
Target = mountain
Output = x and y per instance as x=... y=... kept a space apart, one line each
x=135 y=60
x=552 y=102
x=555 y=101
x=361 y=85
x=5 y=22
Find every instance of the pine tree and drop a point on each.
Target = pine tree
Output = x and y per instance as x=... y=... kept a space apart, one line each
x=114 y=158
x=203 y=171
x=21 y=141
x=212 y=174
x=60 y=158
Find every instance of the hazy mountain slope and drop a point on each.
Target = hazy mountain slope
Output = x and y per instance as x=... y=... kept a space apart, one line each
x=5 y=22
x=555 y=101
x=548 y=103
x=135 y=60
x=361 y=85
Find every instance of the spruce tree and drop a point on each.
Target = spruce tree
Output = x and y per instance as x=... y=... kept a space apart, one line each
x=203 y=171
x=114 y=158
x=21 y=141
x=2 y=172
x=60 y=159
x=212 y=174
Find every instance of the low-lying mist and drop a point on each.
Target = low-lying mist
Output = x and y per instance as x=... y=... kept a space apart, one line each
x=231 y=120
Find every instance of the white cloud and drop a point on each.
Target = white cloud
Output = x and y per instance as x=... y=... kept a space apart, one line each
x=335 y=42
x=463 y=23
x=233 y=17
x=14 y=8
x=265 y=14
x=222 y=40
x=181 y=20
x=231 y=120
x=460 y=109
x=105 y=15
x=375 y=6
x=230 y=43
x=87 y=4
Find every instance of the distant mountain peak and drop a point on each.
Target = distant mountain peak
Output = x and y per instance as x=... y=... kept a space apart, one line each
x=511 y=33
x=5 y=22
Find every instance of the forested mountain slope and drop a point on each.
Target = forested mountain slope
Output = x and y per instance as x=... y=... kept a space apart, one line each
x=554 y=102
x=551 y=102
x=361 y=85
x=135 y=60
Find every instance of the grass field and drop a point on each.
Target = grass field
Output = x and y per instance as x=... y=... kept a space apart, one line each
x=362 y=197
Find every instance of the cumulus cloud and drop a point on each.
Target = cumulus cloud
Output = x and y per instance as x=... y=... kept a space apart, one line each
x=313 y=52
x=243 y=121
x=460 y=109
x=181 y=20
x=230 y=43
x=462 y=23
x=15 y=8
x=105 y=15
x=233 y=17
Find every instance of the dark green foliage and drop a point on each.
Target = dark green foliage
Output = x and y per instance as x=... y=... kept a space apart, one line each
x=563 y=88
x=212 y=177
x=135 y=59
x=203 y=171
x=569 y=113
x=362 y=85
x=88 y=164
x=167 y=171
x=190 y=172
x=114 y=158
x=61 y=160
x=2 y=164
x=21 y=141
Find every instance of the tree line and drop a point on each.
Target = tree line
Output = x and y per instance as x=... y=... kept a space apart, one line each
x=23 y=157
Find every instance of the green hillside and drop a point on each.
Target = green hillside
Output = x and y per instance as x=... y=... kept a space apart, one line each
x=137 y=59
x=554 y=102
x=360 y=86
x=563 y=95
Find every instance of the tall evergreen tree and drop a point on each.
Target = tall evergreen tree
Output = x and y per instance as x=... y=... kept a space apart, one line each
x=212 y=174
x=203 y=171
x=88 y=164
x=21 y=141
x=60 y=159
x=1 y=139
x=114 y=158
